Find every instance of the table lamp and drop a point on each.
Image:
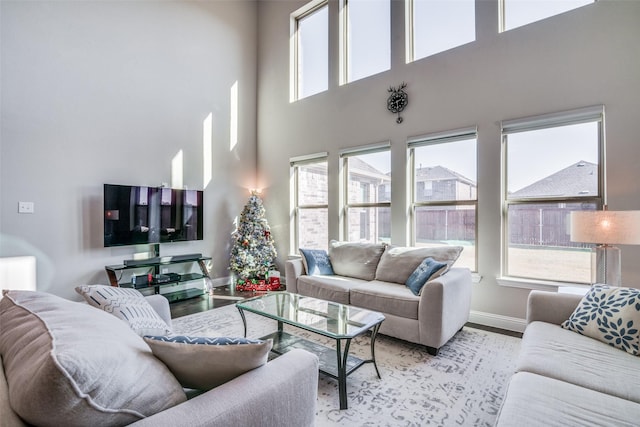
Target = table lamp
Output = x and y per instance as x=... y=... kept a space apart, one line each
x=606 y=228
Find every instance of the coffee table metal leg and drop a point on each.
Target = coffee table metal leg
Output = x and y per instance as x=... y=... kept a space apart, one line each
x=374 y=334
x=244 y=321
x=342 y=372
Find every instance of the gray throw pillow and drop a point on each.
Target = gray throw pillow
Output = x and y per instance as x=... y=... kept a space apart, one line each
x=397 y=263
x=357 y=260
x=204 y=363
x=68 y=364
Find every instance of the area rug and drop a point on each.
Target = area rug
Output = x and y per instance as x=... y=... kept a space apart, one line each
x=462 y=386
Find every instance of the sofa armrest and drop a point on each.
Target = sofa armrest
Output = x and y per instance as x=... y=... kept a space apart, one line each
x=281 y=393
x=445 y=304
x=293 y=269
x=161 y=305
x=550 y=307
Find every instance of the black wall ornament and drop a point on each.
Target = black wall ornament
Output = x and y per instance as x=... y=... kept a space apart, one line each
x=397 y=101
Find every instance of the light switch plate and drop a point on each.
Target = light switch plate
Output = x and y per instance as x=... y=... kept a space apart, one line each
x=25 y=207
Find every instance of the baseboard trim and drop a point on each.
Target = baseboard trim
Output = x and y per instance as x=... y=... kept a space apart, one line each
x=497 y=321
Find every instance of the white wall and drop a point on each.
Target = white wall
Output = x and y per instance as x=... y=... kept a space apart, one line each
x=109 y=92
x=585 y=57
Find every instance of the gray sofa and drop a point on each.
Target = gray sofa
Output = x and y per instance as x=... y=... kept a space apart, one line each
x=282 y=392
x=567 y=379
x=373 y=276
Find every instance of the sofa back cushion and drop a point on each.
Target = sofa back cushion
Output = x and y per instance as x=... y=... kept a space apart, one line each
x=70 y=364
x=358 y=260
x=397 y=263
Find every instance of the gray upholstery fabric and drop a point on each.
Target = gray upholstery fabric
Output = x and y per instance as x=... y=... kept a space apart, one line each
x=386 y=297
x=68 y=363
x=554 y=352
x=397 y=263
x=534 y=400
x=281 y=393
x=358 y=260
x=8 y=418
x=331 y=288
x=161 y=305
x=550 y=307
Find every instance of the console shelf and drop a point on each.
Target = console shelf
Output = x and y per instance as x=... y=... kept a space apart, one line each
x=153 y=266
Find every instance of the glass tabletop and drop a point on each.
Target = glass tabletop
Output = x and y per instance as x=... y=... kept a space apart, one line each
x=323 y=317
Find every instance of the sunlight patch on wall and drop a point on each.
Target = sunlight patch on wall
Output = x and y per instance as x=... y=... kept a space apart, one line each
x=18 y=273
x=233 y=114
x=177 y=170
x=207 y=150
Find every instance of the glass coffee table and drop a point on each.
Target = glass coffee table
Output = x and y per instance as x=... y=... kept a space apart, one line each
x=339 y=322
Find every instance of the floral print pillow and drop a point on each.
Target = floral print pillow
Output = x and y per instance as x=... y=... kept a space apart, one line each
x=610 y=315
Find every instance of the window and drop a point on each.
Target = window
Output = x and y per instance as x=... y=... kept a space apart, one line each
x=516 y=13
x=444 y=192
x=552 y=167
x=434 y=26
x=310 y=191
x=367 y=206
x=366 y=38
x=310 y=50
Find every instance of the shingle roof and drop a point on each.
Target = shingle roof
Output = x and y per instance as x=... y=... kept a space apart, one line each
x=440 y=173
x=579 y=179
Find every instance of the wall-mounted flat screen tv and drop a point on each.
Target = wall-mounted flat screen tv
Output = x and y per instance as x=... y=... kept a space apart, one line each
x=135 y=215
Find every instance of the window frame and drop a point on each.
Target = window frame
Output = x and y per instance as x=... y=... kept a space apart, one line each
x=547 y=121
x=437 y=139
x=296 y=206
x=502 y=15
x=345 y=64
x=346 y=205
x=294 y=45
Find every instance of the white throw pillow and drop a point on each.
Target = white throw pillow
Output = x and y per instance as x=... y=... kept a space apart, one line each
x=128 y=305
x=610 y=315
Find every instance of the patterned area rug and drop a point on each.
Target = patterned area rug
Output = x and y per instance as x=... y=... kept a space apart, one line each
x=462 y=386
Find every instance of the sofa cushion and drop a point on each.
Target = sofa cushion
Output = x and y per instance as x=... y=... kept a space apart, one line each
x=330 y=288
x=558 y=353
x=397 y=263
x=534 y=400
x=316 y=262
x=69 y=364
x=427 y=268
x=204 y=363
x=128 y=305
x=610 y=315
x=386 y=297
x=359 y=260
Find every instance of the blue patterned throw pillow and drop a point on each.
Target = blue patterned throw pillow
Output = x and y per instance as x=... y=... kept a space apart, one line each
x=427 y=268
x=610 y=315
x=316 y=262
x=203 y=363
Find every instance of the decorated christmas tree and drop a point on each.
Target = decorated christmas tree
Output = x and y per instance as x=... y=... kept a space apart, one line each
x=253 y=252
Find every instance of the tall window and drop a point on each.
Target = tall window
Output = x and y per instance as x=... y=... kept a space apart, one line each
x=367 y=206
x=366 y=38
x=516 y=13
x=445 y=197
x=310 y=222
x=434 y=26
x=310 y=50
x=552 y=167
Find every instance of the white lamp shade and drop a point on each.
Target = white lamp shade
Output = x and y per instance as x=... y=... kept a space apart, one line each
x=606 y=227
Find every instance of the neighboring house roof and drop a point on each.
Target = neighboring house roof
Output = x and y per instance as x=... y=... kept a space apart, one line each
x=440 y=173
x=579 y=179
x=359 y=167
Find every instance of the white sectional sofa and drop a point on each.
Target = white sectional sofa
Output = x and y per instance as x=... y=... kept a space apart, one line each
x=373 y=276
x=564 y=378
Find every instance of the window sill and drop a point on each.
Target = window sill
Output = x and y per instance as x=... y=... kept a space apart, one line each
x=540 y=285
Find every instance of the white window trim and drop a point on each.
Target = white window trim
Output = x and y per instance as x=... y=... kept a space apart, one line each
x=595 y=113
x=345 y=153
x=443 y=137
x=294 y=163
x=294 y=18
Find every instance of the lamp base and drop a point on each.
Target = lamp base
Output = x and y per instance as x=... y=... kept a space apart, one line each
x=606 y=265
